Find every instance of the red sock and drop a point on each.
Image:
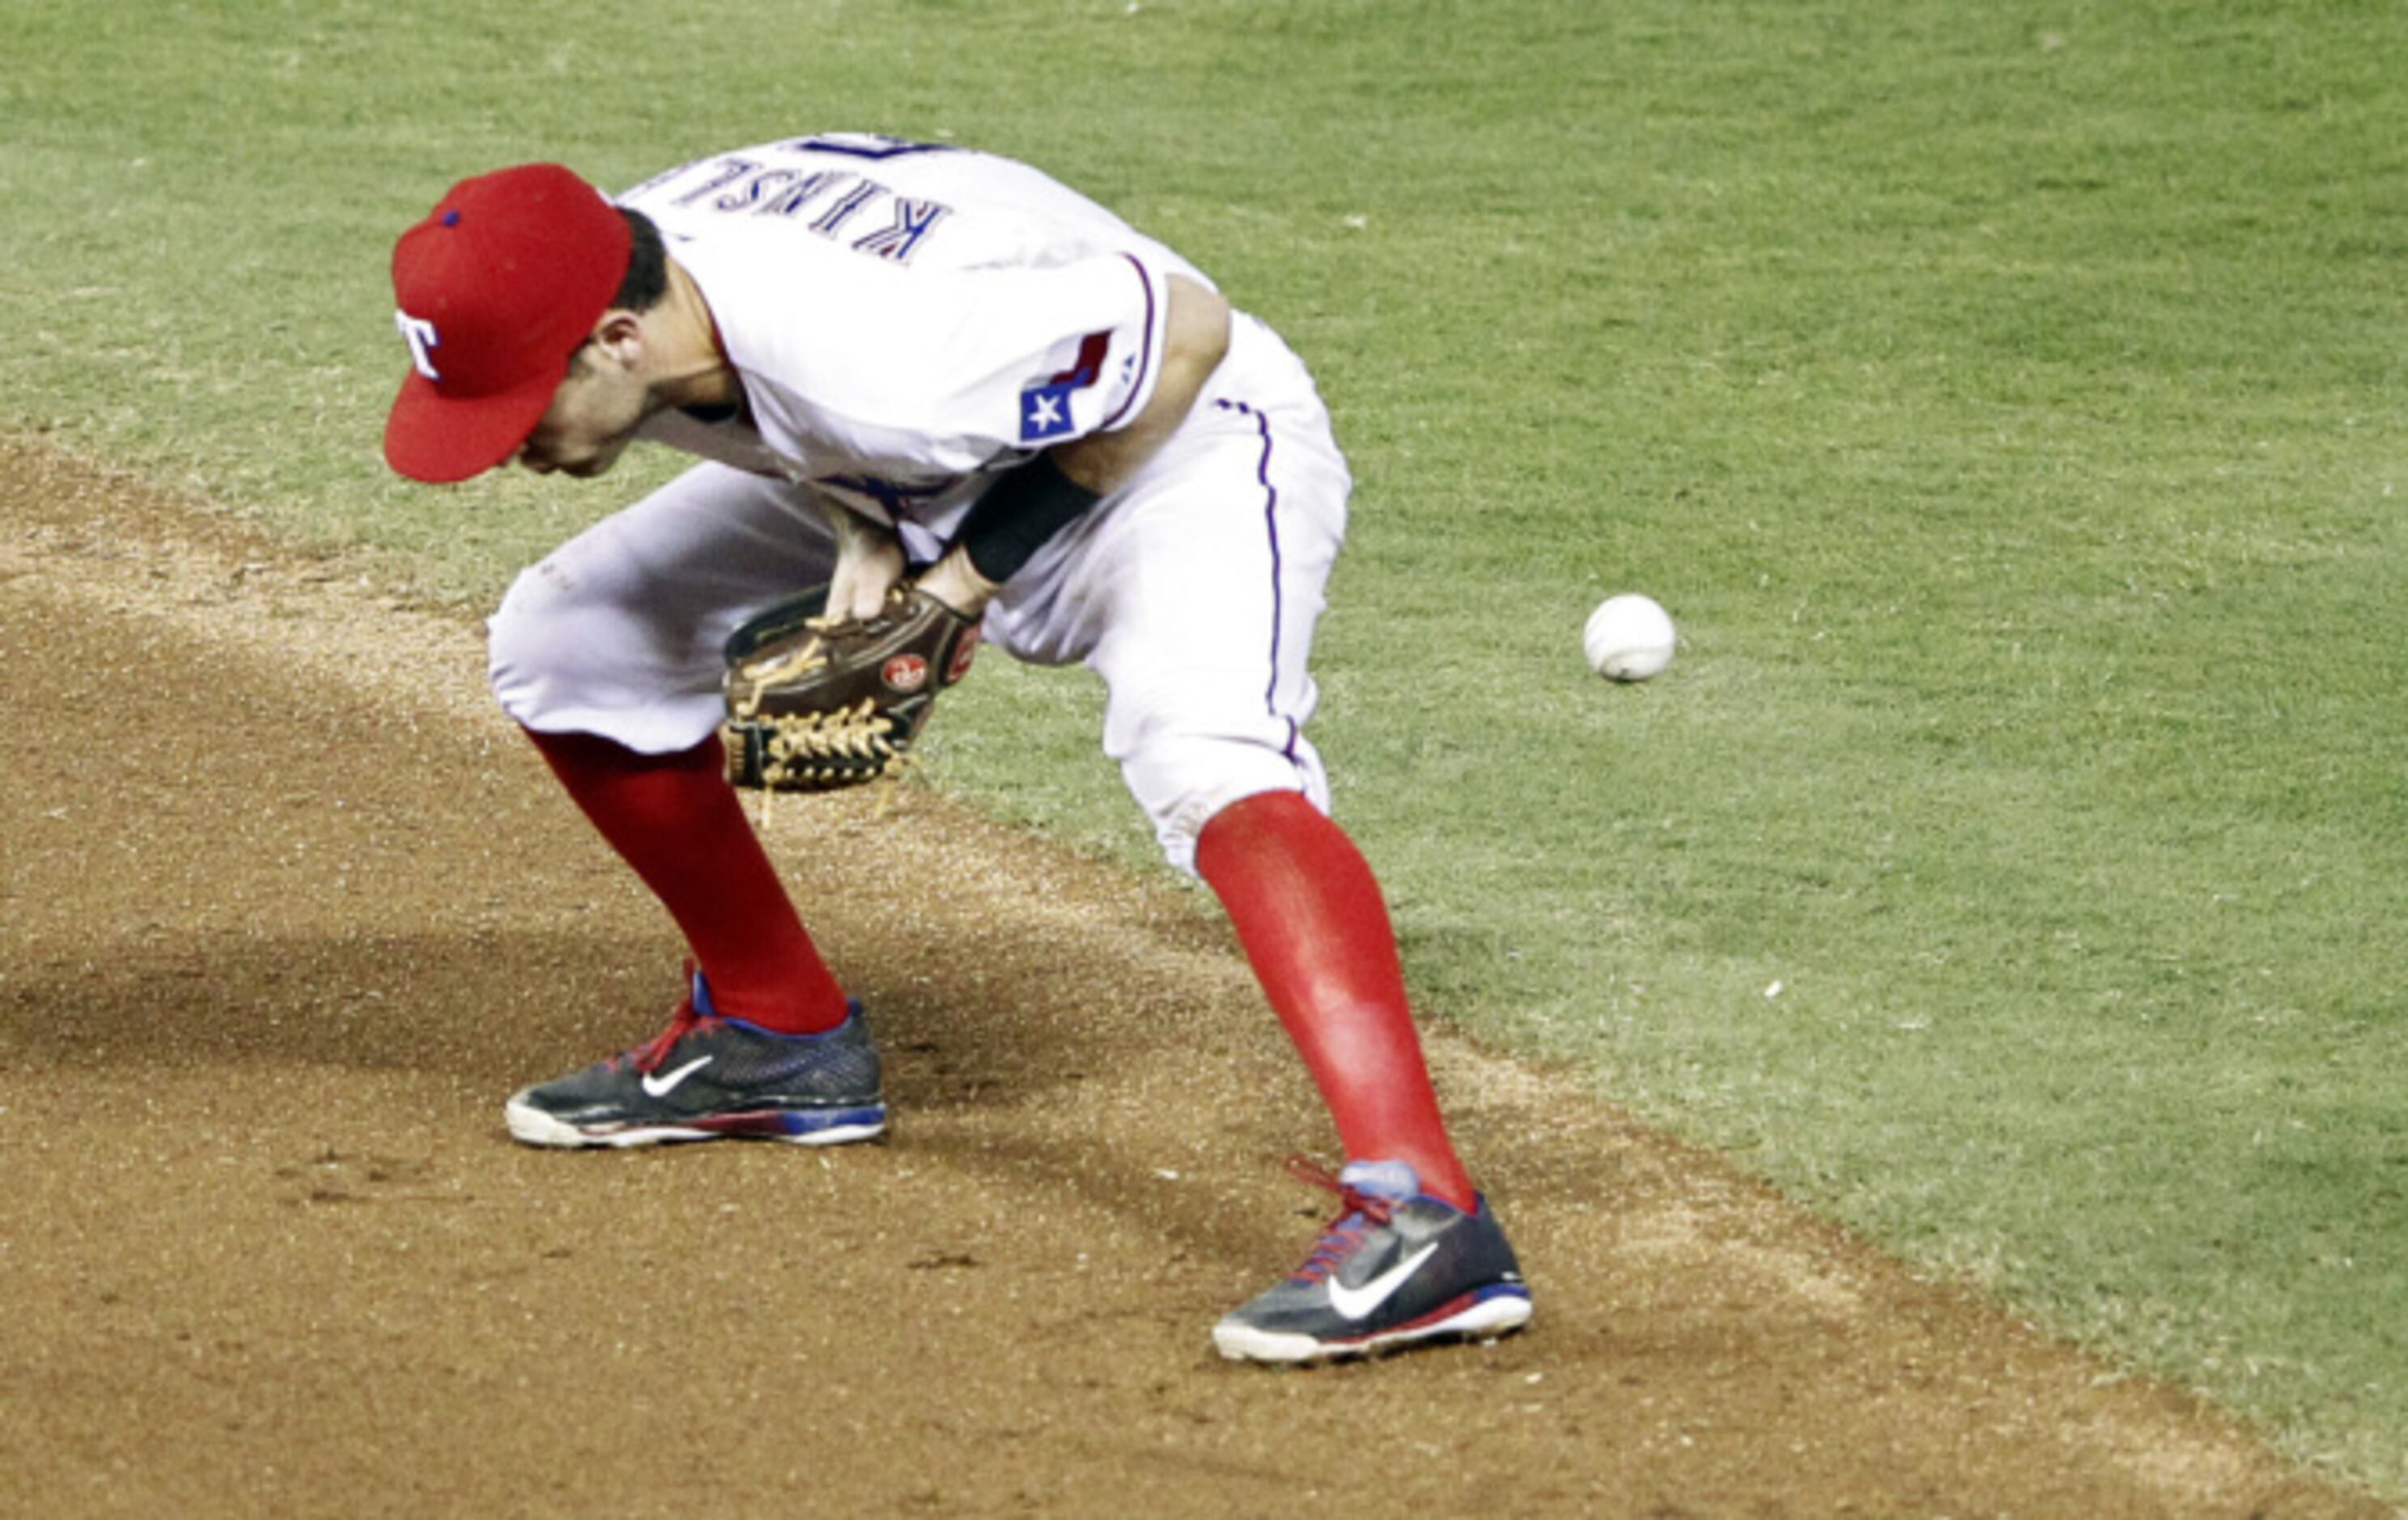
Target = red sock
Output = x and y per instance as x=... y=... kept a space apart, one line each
x=678 y=822
x=1309 y=912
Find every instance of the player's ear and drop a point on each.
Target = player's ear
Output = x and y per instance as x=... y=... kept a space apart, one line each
x=618 y=338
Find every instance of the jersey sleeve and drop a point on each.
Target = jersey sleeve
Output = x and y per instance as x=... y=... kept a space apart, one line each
x=993 y=361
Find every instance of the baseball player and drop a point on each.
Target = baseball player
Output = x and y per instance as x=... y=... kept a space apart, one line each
x=910 y=368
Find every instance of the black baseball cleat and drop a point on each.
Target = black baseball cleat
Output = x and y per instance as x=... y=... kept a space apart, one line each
x=710 y=1077
x=1397 y=1268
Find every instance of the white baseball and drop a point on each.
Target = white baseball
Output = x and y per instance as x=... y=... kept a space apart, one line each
x=1629 y=637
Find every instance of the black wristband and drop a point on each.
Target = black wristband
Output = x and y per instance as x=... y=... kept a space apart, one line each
x=1018 y=514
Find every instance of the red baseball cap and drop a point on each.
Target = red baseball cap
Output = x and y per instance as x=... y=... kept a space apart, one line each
x=495 y=291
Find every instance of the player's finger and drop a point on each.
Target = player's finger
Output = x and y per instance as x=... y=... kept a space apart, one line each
x=865 y=598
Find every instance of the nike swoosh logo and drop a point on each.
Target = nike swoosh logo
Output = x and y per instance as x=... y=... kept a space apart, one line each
x=664 y=1086
x=1357 y=1304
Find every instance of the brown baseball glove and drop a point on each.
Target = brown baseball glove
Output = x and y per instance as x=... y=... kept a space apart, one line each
x=817 y=703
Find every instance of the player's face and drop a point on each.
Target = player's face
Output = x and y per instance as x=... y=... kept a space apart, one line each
x=593 y=417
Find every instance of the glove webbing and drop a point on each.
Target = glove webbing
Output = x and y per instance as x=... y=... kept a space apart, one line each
x=806 y=749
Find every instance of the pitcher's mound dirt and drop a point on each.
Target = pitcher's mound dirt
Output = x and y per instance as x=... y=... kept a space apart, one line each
x=288 y=910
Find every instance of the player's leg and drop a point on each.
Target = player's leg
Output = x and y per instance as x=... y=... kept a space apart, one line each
x=1211 y=580
x=1315 y=928
x=607 y=654
x=1202 y=589
x=681 y=827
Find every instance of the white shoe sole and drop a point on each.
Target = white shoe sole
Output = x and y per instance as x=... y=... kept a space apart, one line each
x=532 y=1126
x=1241 y=1342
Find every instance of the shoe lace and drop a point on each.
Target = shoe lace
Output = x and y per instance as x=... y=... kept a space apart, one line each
x=1358 y=1213
x=647 y=1057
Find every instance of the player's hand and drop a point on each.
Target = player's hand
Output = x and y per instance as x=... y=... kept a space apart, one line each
x=956 y=582
x=868 y=566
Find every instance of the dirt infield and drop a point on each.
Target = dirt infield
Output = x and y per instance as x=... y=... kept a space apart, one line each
x=288 y=910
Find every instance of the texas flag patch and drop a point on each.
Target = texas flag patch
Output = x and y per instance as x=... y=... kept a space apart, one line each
x=1045 y=409
x=1045 y=412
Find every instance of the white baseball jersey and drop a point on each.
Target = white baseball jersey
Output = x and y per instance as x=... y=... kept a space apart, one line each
x=906 y=320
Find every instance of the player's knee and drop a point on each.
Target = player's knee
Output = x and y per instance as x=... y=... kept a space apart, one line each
x=1183 y=780
x=530 y=643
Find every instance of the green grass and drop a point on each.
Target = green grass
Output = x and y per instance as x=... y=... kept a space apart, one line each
x=2007 y=400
